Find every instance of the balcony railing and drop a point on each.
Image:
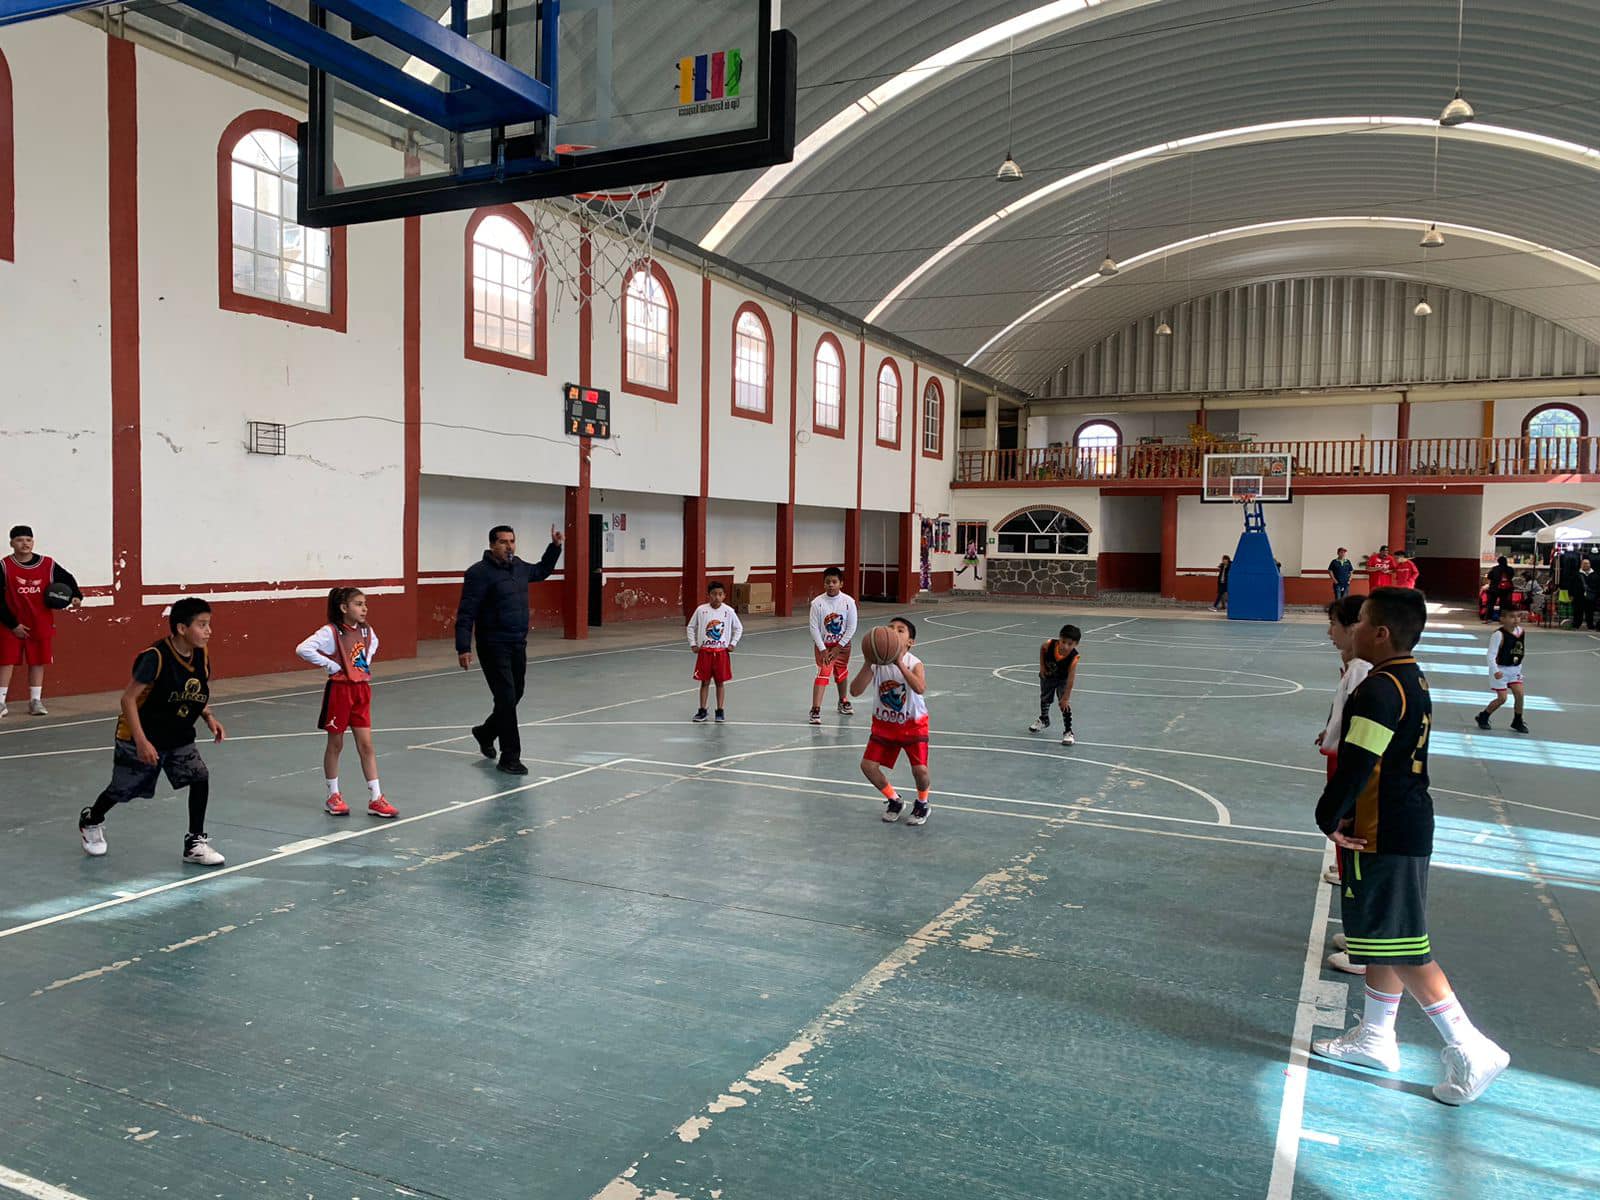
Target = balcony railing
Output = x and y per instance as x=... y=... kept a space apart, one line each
x=1357 y=458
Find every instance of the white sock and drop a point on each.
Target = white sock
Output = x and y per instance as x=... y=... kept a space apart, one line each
x=1450 y=1019
x=333 y=786
x=373 y=789
x=2 y=695
x=1378 y=1011
x=37 y=693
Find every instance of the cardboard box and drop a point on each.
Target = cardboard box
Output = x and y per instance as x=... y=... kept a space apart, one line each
x=753 y=598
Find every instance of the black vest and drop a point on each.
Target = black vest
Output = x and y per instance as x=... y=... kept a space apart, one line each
x=1511 y=650
x=173 y=702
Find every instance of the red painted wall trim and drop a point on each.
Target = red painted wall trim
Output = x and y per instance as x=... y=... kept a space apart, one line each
x=899 y=403
x=8 y=167
x=1169 y=544
x=749 y=306
x=338 y=262
x=539 y=363
x=1397 y=519
x=668 y=394
x=575 y=565
x=844 y=385
x=910 y=528
x=783 y=588
x=861 y=420
x=411 y=375
x=705 y=386
x=1128 y=571
x=122 y=175
x=937 y=389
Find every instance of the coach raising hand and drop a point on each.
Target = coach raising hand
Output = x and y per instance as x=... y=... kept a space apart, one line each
x=494 y=598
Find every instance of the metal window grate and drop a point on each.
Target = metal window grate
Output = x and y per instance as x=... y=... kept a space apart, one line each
x=267 y=437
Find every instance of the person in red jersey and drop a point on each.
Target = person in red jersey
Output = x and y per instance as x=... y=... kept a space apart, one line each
x=32 y=583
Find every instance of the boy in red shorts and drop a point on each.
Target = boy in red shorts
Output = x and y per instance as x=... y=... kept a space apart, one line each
x=833 y=624
x=899 y=722
x=713 y=631
x=27 y=623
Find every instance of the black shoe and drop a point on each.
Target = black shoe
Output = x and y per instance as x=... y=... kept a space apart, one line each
x=816 y=716
x=513 y=766
x=700 y=714
x=485 y=742
x=1519 y=725
x=1482 y=719
x=892 y=810
x=720 y=717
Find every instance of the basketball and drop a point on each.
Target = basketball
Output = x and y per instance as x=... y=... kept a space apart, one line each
x=57 y=595
x=882 y=645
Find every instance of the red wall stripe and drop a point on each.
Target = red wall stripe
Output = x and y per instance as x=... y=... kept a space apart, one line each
x=122 y=177
x=575 y=578
x=8 y=167
x=411 y=384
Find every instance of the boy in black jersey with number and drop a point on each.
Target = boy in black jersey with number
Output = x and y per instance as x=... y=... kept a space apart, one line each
x=1376 y=809
x=169 y=692
x=1058 y=671
x=1507 y=648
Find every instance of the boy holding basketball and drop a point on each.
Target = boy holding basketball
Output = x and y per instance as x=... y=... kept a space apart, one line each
x=899 y=715
x=833 y=625
x=1058 y=671
x=713 y=631
x=32 y=589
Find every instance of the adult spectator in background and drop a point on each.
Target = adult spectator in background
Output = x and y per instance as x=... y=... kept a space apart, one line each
x=1405 y=571
x=494 y=603
x=1223 y=568
x=1339 y=570
x=27 y=615
x=1502 y=582
x=1380 y=569
x=1584 y=596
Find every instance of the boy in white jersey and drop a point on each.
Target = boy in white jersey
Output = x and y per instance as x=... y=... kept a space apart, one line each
x=899 y=722
x=1506 y=650
x=833 y=625
x=713 y=631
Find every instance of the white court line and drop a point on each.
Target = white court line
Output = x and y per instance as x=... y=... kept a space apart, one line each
x=1315 y=993
x=36 y=1189
x=293 y=849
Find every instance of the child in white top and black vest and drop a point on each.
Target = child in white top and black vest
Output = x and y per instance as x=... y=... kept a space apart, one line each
x=345 y=648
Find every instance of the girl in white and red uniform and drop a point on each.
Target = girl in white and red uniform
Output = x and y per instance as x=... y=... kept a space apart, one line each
x=899 y=722
x=345 y=648
x=27 y=623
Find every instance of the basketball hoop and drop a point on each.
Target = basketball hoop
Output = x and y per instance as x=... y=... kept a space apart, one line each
x=621 y=225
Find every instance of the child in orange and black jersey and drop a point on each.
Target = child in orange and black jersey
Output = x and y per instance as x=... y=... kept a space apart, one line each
x=1058 y=671
x=345 y=648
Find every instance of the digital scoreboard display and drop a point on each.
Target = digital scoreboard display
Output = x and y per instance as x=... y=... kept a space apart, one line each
x=588 y=411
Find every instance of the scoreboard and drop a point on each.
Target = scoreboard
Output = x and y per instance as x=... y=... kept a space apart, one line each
x=587 y=411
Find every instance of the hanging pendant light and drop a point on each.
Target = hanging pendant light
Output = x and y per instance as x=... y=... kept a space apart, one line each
x=1432 y=239
x=1163 y=330
x=1423 y=309
x=1009 y=171
x=1108 y=266
x=1458 y=111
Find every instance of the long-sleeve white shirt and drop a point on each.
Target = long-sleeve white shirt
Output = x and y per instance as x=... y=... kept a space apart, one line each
x=714 y=628
x=320 y=649
x=1355 y=672
x=833 y=620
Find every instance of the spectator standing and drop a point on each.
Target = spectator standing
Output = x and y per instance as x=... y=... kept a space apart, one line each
x=1339 y=570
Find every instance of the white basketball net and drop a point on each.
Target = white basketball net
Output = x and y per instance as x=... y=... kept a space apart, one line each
x=621 y=227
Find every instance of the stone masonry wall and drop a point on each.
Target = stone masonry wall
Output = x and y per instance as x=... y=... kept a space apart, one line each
x=1042 y=576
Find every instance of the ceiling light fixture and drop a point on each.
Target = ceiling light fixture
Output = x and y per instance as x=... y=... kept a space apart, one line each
x=1432 y=239
x=1009 y=171
x=1108 y=265
x=1423 y=309
x=1458 y=111
x=1163 y=330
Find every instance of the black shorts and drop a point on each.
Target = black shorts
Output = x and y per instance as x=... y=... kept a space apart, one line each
x=134 y=780
x=1383 y=901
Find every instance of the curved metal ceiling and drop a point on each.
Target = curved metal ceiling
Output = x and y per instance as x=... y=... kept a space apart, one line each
x=911 y=175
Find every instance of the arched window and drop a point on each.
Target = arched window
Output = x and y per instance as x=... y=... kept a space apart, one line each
x=1096 y=443
x=505 y=297
x=827 y=387
x=8 y=169
x=1517 y=539
x=752 y=364
x=1553 y=431
x=933 y=420
x=1042 y=533
x=268 y=264
x=650 y=335
x=889 y=405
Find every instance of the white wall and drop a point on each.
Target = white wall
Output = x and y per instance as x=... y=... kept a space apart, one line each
x=825 y=466
x=740 y=535
x=995 y=504
x=818 y=538
x=653 y=539
x=1510 y=414
x=1129 y=525
x=886 y=474
x=1359 y=523
x=455 y=517
x=1502 y=500
x=55 y=390
x=749 y=458
x=1452 y=523
x=1332 y=422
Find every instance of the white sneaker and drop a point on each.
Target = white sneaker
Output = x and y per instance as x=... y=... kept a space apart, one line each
x=1469 y=1069
x=36 y=708
x=1340 y=942
x=1038 y=724
x=1067 y=739
x=1361 y=1046
x=197 y=848
x=93 y=838
x=1339 y=960
x=3 y=709
x=1330 y=874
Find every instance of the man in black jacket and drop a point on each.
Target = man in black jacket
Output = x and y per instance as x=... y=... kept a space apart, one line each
x=494 y=599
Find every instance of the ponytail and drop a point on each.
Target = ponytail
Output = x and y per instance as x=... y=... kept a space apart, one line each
x=337 y=597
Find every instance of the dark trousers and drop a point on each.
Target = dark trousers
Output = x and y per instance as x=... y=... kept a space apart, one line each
x=1050 y=690
x=1497 y=601
x=506 y=669
x=1222 y=596
x=1340 y=590
x=1583 y=610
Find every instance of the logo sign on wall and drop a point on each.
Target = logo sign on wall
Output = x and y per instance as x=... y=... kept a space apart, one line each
x=587 y=411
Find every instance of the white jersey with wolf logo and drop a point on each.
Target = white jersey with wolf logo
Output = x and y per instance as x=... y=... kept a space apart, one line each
x=894 y=703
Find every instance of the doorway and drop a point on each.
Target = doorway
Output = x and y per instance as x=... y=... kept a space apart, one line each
x=597 y=551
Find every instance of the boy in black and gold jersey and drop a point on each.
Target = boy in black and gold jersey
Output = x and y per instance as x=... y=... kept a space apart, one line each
x=170 y=691
x=1376 y=809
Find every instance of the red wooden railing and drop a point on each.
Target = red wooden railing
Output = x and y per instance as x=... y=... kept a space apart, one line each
x=1394 y=458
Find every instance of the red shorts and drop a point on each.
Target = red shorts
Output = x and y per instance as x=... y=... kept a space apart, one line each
x=36 y=649
x=1333 y=762
x=838 y=669
x=345 y=705
x=713 y=666
x=886 y=742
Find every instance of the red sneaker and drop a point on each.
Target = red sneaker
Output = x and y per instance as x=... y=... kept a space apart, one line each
x=336 y=807
x=382 y=808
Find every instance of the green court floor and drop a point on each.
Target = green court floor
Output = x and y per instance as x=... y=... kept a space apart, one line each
x=689 y=961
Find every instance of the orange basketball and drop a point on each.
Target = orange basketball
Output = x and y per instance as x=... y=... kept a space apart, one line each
x=882 y=645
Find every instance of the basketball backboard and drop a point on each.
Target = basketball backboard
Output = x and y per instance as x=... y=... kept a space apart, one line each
x=639 y=91
x=1237 y=478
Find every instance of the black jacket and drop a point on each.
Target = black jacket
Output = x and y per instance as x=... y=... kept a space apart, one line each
x=494 y=597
